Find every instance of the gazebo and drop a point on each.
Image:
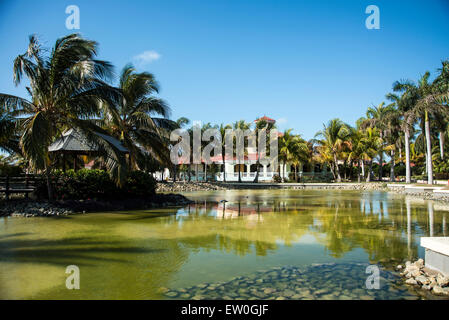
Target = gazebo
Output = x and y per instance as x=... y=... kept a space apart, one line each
x=75 y=143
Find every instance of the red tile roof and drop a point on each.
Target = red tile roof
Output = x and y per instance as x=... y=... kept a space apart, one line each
x=266 y=119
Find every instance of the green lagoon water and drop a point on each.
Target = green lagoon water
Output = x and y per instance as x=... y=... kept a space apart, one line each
x=137 y=255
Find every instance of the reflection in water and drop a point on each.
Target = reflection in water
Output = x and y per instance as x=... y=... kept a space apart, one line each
x=444 y=225
x=409 y=228
x=430 y=209
x=134 y=254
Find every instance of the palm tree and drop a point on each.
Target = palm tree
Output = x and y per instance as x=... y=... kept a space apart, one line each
x=441 y=87
x=9 y=135
x=334 y=137
x=222 y=130
x=301 y=153
x=204 y=143
x=441 y=124
x=242 y=125
x=292 y=148
x=180 y=123
x=66 y=87
x=430 y=102
x=392 y=128
x=267 y=126
x=371 y=143
x=404 y=104
x=356 y=151
x=132 y=119
x=377 y=117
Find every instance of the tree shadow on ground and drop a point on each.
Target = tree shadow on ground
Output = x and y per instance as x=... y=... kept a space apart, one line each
x=83 y=251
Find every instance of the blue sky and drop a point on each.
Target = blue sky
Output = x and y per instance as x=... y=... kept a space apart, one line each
x=300 y=62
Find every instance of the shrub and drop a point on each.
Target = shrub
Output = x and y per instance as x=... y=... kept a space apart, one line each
x=442 y=176
x=277 y=179
x=10 y=170
x=140 y=184
x=291 y=177
x=96 y=184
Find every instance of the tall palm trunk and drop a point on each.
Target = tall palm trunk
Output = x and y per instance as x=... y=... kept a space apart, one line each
x=224 y=166
x=363 y=168
x=368 y=178
x=392 y=166
x=174 y=172
x=351 y=166
x=333 y=171
x=190 y=172
x=407 y=157
x=381 y=165
x=256 y=178
x=49 y=185
x=205 y=172
x=425 y=161
x=283 y=171
x=358 y=173
x=429 y=150
x=337 y=170
x=240 y=173
x=381 y=158
x=441 y=138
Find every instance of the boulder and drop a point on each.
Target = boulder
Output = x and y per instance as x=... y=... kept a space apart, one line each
x=438 y=290
x=411 y=281
x=419 y=263
x=442 y=280
x=422 y=279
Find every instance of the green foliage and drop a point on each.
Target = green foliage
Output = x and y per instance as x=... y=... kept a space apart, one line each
x=140 y=184
x=291 y=177
x=96 y=184
x=277 y=179
x=316 y=177
x=9 y=168
x=66 y=85
x=441 y=166
x=441 y=176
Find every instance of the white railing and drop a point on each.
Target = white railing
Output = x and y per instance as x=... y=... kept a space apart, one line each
x=245 y=176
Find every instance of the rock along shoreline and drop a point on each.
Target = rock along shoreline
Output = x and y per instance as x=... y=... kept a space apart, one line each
x=416 y=274
x=371 y=186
